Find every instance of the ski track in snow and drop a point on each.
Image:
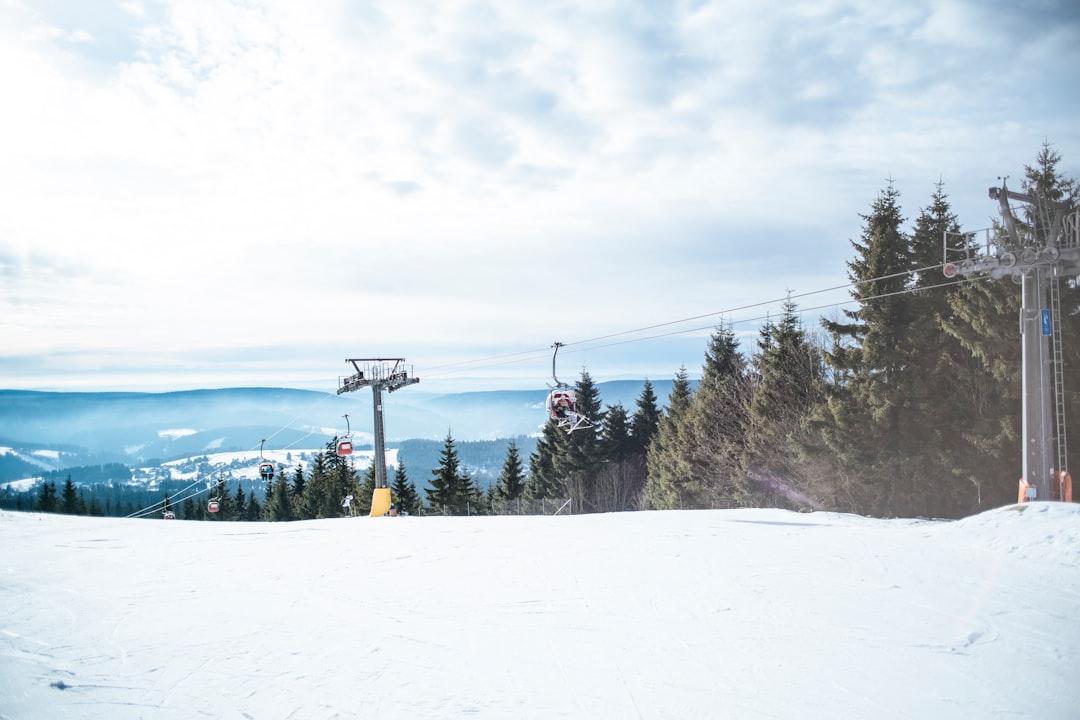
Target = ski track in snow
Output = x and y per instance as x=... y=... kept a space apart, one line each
x=690 y=614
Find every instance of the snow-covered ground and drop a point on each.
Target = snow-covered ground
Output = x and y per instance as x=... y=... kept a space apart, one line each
x=681 y=615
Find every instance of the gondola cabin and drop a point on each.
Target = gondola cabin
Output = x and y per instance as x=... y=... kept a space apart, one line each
x=266 y=471
x=170 y=515
x=344 y=447
x=213 y=506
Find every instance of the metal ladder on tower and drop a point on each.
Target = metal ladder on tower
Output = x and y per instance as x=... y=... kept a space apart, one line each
x=1059 y=372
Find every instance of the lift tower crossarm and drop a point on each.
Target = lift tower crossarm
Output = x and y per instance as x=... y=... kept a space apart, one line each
x=1003 y=195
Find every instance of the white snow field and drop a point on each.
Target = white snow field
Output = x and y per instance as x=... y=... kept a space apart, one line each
x=682 y=615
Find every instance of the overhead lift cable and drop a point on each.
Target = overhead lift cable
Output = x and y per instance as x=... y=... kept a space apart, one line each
x=587 y=344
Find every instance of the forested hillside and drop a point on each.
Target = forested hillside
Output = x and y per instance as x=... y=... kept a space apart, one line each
x=905 y=404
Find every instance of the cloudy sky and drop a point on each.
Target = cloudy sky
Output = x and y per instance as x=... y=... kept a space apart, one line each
x=214 y=193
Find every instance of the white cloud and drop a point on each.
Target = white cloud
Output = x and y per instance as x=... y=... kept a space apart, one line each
x=206 y=173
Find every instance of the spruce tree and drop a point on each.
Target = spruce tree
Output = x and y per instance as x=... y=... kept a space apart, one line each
x=404 y=492
x=577 y=456
x=717 y=426
x=70 y=501
x=253 y=510
x=319 y=499
x=543 y=483
x=621 y=476
x=645 y=421
x=450 y=491
x=240 y=503
x=510 y=485
x=299 y=509
x=666 y=462
x=615 y=442
x=946 y=378
x=868 y=427
x=787 y=391
x=46 y=501
x=278 y=506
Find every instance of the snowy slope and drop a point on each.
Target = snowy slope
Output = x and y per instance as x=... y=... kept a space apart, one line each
x=689 y=614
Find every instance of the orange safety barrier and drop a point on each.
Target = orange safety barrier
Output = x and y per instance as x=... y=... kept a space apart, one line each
x=1027 y=491
x=1062 y=489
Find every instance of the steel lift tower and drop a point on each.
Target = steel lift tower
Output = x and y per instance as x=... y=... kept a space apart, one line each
x=379 y=374
x=1035 y=252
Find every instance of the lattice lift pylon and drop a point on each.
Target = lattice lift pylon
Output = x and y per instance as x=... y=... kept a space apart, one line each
x=1035 y=254
x=379 y=374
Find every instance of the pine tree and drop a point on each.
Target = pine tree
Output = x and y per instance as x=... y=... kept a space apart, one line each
x=511 y=482
x=70 y=501
x=666 y=463
x=46 y=501
x=787 y=391
x=278 y=507
x=451 y=492
x=577 y=455
x=299 y=510
x=645 y=421
x=543 y=482
x=946 y=377
x=240 y=503
x=715 y=442
x=615 y=443
x=867 y=425
x=621 y=476
x=319 y=500
x=404 y=492
x=253 y=510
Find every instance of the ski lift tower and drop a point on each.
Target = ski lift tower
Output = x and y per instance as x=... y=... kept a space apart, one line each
x=379 y=374
x=1035 y=255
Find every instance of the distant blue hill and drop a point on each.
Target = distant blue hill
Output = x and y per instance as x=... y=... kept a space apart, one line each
x=54 y=430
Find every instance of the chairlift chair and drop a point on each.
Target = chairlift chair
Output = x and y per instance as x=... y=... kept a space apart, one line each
x=266 y=468
x=562 y=402
x=344 y=443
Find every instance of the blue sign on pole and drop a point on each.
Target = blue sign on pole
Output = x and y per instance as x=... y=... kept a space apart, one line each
x=1045 y=322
